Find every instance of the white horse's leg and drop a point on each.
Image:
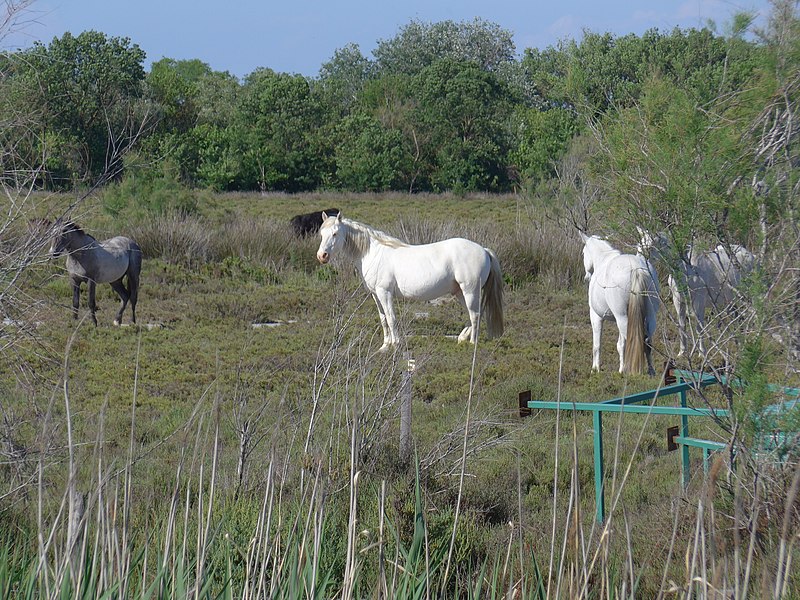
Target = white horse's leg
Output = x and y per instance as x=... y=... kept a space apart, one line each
x=622 y=325
x=680 y=310
x=382 y=315
x=597 y=332
x=699 y=298
x=472 y=302
x=385 y=300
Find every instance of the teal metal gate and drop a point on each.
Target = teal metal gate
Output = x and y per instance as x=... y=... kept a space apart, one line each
x=686 y=381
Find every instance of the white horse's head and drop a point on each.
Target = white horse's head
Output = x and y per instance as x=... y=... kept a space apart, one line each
x=588 y=257
x=651 y=245
x=332 y=237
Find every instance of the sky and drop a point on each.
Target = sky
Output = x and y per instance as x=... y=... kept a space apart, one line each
x=298 y=36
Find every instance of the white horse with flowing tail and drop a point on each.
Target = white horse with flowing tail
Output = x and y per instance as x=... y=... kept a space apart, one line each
x=710 y=279
x=391 y=267
x=623 y=288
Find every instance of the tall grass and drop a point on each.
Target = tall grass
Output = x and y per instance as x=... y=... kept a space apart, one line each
x=537 y=251
x=319 y=524
x=193 y=240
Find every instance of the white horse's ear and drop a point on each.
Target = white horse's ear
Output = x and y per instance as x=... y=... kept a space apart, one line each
x=339 y=217
x=324 y=216
x=584 y=237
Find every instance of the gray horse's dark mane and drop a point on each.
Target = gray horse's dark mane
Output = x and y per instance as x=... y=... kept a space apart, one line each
x=73 y=227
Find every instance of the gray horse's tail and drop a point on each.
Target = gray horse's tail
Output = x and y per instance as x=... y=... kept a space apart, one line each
x=134 y=270
x=635 y=359
x=492 y=299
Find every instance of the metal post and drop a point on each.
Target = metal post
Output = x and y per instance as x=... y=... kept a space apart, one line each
x=405 y=409
x=684 y=448
x=599 y=495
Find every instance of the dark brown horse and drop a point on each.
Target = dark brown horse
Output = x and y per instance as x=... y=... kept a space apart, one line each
x=309 y=223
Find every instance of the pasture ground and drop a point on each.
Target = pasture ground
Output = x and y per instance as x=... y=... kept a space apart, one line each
x=239 y=325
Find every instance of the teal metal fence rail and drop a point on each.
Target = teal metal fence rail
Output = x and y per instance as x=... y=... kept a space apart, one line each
x=686 y=381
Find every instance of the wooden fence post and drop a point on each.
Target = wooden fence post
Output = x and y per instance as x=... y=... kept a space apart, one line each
x=405 y=409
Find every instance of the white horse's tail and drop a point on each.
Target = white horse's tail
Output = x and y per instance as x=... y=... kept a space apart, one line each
x=635 y=360
x=492 y=299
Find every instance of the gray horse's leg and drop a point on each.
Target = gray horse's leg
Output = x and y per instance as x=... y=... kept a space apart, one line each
x=76 y=297
x=92 y=305
x=133 y=294
x=134 y=269
x=123 y=297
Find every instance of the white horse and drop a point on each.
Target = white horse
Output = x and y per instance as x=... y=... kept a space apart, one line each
x=709 y=277
x=391 y=267
x=623 y=288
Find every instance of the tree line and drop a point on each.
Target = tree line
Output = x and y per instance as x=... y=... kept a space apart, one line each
x=445 y=106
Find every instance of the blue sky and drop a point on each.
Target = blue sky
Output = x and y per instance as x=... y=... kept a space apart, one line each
x=299 y=36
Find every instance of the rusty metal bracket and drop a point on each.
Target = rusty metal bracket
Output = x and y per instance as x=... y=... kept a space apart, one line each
x=524 y=398
x=672 y=433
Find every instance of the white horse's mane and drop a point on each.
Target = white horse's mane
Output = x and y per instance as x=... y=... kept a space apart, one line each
x=603 y=244
x=359 y=236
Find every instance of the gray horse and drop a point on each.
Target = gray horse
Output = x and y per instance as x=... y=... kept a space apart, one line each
x=96 y=262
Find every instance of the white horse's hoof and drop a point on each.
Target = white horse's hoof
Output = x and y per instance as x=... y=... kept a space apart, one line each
x=383 y=348
x=116 y=323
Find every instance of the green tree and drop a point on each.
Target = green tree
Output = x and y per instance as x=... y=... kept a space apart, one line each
x=342 y=79
x=173 y=85
x=280 y=118
x=603 y=71
x=419 y=45
x=370 y=157
x=542 y=136
x=464 y=112
x=670 y=164
x=720 y=171
x=217 y=96
x=90 y=88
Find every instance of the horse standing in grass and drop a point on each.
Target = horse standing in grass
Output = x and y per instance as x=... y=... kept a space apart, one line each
x=309 y=223
x=709 y=277
x=96 y=262
x=391 y=267
x=623 y=288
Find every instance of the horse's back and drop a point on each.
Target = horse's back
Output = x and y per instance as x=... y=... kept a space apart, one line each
x=718 y=270
x=428 y=271
x=114 y=258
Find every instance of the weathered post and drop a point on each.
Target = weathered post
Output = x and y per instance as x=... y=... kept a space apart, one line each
x=405 y=409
